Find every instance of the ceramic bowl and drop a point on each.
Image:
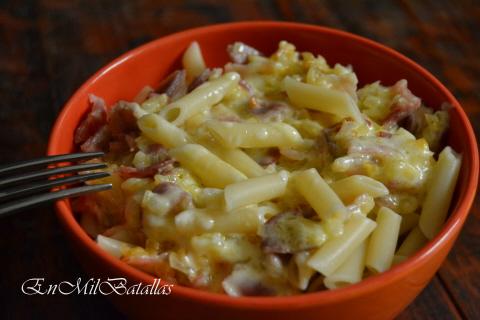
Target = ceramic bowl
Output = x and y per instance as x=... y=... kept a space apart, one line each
x=378 y=297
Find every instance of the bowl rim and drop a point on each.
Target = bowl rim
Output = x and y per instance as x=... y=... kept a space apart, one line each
x=451 y=226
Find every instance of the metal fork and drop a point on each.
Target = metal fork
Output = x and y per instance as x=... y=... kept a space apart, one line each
x=25 y=184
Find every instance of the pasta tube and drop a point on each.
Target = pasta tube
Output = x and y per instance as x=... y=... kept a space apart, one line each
x=437 y=201
x=161 y=131
x=350 y=272
x=212 y=171
x=414 y=241
x=332 y=101
x=383 y=241
x=254 y=135
x=337 y=250
x=240 y=160
x=192 y=61
x=255 y=190
x=319 y=195
x=351 y=187
x=202 y=97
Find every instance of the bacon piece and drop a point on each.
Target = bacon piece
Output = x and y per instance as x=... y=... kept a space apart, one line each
x=163 y=167
x=121 y=119
x=97 y=142
x=96 y=118
x=272 y=156
x=405 y=103
x=179 y=199
x=384 y=134
x=123 y=143
x=175 y=85
x=290 y=232
x=239 y=52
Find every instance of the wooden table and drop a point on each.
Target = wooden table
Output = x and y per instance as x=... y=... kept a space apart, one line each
x=49 y=47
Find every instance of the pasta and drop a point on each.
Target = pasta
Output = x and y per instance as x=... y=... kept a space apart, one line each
x=383 y=241
x=254 y=135
x=192 y=61
x=439 y=195
x=274 y=175
x=199 y=99
x=412 y=243
x=351 y=187
x=213 y=171
x=351 y=271
x=321 y=99
x=161 y=131
x=337 y=250
x=319 y=195
x=240 y=160
x=255 y=190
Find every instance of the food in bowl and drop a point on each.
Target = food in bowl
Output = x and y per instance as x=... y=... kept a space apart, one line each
x=270 y=176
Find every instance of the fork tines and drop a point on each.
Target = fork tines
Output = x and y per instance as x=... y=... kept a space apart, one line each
x=16 y=186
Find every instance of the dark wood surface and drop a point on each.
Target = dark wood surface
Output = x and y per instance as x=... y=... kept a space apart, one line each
x=49 y=47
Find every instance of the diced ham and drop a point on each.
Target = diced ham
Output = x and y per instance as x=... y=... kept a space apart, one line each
x=271 y=157
x=239 y=52
x=96 y=118
x=290 y=232
x=405 y=103
x=175 y=85
x=121 y=118
x=123 y=143
x=384 y=134
x=179 y=199
x=163 y=167
x=98 y=141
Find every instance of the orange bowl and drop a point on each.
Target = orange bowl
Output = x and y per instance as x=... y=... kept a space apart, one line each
x=378 y=297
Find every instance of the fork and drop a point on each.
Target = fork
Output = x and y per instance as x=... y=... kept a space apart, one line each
x=26 y=184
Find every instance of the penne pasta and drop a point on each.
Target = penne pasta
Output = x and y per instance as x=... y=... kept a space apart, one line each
x=319 y=195
x=351 y=187
x=199 y=99
x=240 y=160
x=254 y=135
x=161 y=131
x=197 y=221
x=439 y=195
x=300 y=273
x=212 y=171
x=351 y=271
x=192 y=61
x=255 y=190
x=383 y=241
x=336 y=251
x=314 y=97
x=412 y=243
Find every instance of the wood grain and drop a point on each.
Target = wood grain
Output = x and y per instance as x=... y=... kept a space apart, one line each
x=49 y=47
